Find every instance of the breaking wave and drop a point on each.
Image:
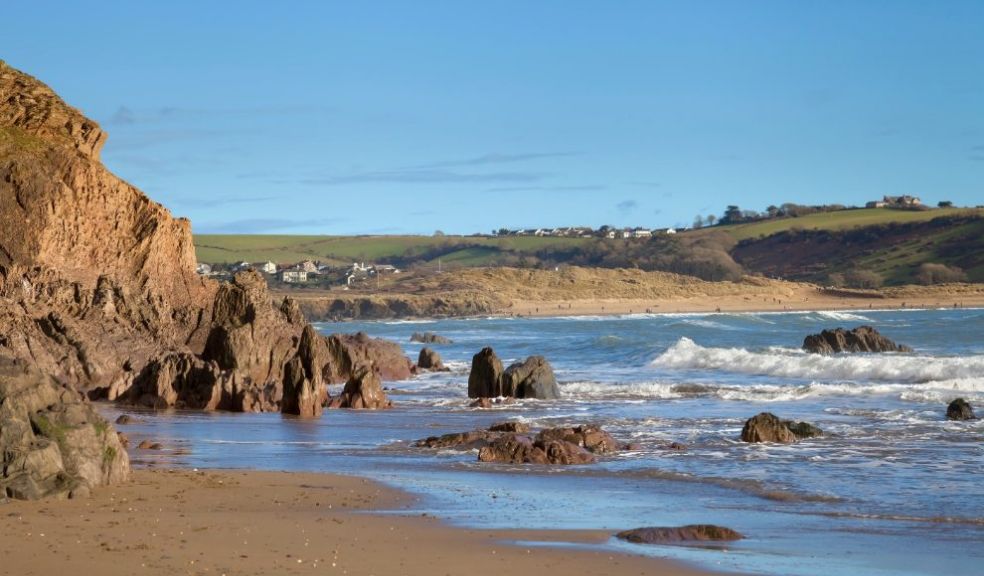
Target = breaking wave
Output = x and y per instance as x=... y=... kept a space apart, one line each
x=788 y=363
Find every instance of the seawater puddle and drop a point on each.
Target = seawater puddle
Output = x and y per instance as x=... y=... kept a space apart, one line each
x=859 y=501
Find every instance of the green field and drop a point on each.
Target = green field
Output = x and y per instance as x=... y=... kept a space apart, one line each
x=343 y=250
x=841 y=220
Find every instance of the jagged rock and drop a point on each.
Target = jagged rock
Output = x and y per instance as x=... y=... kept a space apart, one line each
x=860 y=339
x=767 y=427
x=52 y=443
x=349 y=351
x=363 y=391
x=481 y=403
x=670 y=535
x=429 y=338
x=485 y=379
x=305 y=390
x=532 y=378
x=430 y=360
x=960 y=409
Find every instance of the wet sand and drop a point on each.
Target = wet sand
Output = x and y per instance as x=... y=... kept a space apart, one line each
x=177 y=522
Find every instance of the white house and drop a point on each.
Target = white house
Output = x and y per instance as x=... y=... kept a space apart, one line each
x=268 y=268
x=642 y=233
x=671 y=231
x=294 y=276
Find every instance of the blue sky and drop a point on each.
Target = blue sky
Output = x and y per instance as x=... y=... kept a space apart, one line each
x=465 y=116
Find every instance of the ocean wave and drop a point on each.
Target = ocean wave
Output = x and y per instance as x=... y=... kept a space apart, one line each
x=789 y=363
x=936 y=392
x=843 y=316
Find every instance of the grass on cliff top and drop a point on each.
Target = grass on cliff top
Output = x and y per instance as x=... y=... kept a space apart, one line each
x=842 y=220
x=343 y=250
x=20 y=140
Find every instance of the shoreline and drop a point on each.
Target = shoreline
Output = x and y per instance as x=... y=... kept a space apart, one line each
x=175 y=521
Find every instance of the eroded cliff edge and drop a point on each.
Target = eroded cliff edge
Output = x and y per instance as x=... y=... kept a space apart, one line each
x=98 y=288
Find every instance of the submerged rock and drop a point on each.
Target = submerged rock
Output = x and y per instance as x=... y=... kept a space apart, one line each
x=680 y=534
x=512 y=443
x=767 y=427
x=52 y=443
x=860 y=339
x=803 y=429
x=429 y=338
x=960 y=409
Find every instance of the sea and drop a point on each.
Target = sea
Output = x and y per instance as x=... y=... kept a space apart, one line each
x=891 y=488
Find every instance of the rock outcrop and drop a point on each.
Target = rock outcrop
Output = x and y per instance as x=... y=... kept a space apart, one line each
x=860 y=339
x=512 y=443
x=98 y=286
x=363 y=391
x=430 y=360
x=485 y=379
x=52 y=443
x=429 y=338
x=532 y=378
x=960 y=409
x=680 y=534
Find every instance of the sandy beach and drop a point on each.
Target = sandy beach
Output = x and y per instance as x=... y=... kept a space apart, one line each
x=172 y=522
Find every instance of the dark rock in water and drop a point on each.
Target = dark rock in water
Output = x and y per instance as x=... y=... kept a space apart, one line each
x=680 y=534
x=512 y=426
x=960 y=409
x=485 y=379
x=429 y=338
x=429 y=359
x=460 y=440
x=676 y=446
x=860 y=339
x=803 y=429
x=52 y=443
x=483 y=403
x=532 y=378
x=767 y=427
x=124 y=419
x=521 y=449
x=363 y=391
x=511 y=443
x=591 y=438
x=148 y=445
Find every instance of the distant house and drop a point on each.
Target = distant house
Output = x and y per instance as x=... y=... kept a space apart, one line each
x=386 y=269
x=876 y=204
x=239 y=267
x=900 y=202
x=671 y=231
x=294 y=276
x=642 y=233
x=268 y=268
x=203 y=269
x=308 y=266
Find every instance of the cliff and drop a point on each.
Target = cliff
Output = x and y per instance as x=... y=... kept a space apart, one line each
x=98 y=289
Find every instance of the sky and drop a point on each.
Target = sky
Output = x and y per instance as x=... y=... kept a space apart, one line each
x=408 y=117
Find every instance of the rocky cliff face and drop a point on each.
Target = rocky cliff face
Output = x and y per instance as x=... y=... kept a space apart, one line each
x=98 y=288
